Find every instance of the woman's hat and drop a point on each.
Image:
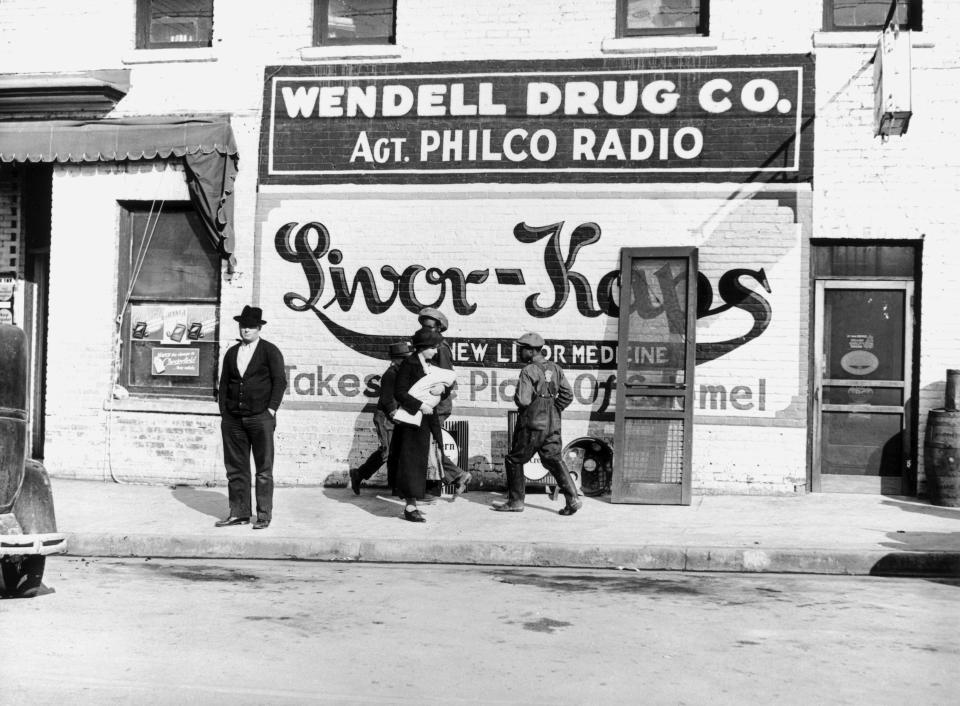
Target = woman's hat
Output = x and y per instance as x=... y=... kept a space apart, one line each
x=250 y=316
x=426 y=338
x=400 y=350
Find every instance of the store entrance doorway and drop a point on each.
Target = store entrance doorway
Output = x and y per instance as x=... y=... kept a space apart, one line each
x=36 y=184
x=656 y=359
x=862 y=386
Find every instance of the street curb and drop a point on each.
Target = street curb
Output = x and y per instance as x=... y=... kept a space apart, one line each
x=530 y=554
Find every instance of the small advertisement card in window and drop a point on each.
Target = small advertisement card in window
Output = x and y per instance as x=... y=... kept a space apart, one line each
x=182 y=362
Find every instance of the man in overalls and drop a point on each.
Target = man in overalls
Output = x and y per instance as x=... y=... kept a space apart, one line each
x=542 y=394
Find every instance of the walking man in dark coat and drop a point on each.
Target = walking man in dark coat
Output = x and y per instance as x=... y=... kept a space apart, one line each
x=542 y=394
x=434 y=320
x=251 y=388
x=382 y=417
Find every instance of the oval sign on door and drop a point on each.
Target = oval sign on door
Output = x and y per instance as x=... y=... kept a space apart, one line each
x=859 y=362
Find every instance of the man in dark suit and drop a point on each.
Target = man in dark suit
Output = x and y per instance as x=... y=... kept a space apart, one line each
x=251 y=388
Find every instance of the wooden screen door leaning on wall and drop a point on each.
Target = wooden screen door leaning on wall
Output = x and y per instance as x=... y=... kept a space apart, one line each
x=655 y=364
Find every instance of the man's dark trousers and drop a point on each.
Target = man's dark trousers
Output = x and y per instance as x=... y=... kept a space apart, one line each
x=240 y=436
x=526 y=443
x=384 y=426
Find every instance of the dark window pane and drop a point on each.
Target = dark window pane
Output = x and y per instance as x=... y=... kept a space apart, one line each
x=661 y=14
x=180 y=261
x=864 y=334
x=143 y=374
x=862 y=444
x=863 y=260
x=186 y=22
x=855 y=14
x=170 y=323
x=353 y=20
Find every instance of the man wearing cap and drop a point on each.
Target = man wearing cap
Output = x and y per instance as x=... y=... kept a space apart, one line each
x=542 y=394
x=434 y=319
x=252 y=382
x=382 y=417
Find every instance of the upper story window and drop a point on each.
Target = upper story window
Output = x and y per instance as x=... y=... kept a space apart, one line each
x=638 y=18
x=163 y=24
x=853 y=15
x=354 y=22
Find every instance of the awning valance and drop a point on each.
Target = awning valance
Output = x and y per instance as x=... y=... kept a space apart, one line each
x=113 y=139
x=205 y=144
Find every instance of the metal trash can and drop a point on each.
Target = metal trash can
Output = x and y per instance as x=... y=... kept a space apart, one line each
x=456 y=447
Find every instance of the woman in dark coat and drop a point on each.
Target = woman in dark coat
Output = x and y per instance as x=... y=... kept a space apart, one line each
x=411 y=444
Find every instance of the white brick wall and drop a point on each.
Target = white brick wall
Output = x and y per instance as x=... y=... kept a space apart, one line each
x=863 y=188
x=906 y=187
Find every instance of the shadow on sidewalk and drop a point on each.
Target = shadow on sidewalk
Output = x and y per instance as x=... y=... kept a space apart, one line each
x=920 y=554
x=924 y=508
x=374 y=500
x=208 y=502
x=925 y=541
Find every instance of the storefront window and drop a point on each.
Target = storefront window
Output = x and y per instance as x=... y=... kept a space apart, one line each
x=354 y=22
x=163 y=24
x=849 y=15
x=652 y=17
x=170 y=294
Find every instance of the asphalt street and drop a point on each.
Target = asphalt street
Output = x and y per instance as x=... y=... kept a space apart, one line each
x=274 y=632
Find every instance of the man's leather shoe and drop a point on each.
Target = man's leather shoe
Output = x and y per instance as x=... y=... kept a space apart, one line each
x=261 y=524
x=413 y=516
x=461 y=488
x=509 y=507
x=231 y=521
x=355 y=481
x=572 y=507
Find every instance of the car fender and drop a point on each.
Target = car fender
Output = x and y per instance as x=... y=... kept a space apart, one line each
x=34 y=506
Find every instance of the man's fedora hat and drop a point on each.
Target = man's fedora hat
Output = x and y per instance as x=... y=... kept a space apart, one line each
x=400 y=350
x=250 y=316
x=426 y=338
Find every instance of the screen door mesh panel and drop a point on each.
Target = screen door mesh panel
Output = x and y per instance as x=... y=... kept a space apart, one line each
x=653 y=451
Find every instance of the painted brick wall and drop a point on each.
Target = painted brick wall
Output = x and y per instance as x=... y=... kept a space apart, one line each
x=477 y=224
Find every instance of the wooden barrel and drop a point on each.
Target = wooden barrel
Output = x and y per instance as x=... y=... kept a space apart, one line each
x=941 y=457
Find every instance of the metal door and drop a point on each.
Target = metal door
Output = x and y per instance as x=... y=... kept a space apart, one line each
x=656 y=358
x=862 y=382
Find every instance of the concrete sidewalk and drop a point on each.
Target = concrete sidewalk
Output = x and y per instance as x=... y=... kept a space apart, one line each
x=816 y=533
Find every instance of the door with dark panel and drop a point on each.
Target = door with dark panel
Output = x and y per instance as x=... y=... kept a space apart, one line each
x=656 y=359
